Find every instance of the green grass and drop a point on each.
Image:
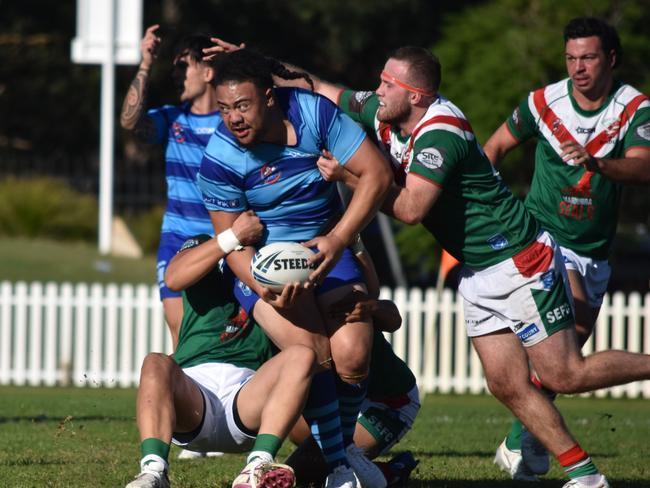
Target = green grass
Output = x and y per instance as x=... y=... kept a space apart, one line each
x=72 y=437
x=45 y=260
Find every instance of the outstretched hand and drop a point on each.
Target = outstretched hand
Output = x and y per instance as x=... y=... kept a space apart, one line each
x=220 y=46
x=150 y=45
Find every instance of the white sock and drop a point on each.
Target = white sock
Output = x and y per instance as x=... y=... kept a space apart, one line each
x=261 y=455
x=152 y=462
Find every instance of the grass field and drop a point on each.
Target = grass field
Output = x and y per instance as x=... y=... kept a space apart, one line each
x=45 y=260
x=55 y=437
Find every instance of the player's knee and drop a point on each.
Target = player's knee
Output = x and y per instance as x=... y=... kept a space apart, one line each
x=566 y=381
x=352 y=363
x=504 y=389
x=156 y=365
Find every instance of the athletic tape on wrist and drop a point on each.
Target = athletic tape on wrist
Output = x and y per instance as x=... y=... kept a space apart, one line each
x=228 y=241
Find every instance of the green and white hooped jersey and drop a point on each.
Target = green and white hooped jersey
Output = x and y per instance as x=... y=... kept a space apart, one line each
x=476 y=218
x=579 y=207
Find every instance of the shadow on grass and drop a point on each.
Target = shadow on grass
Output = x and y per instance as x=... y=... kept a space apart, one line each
x=418 y=453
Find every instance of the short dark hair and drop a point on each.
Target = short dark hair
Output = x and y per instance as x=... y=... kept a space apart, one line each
x=247 y=65
x=425 y=71
x=192 y=46
x=591 y=26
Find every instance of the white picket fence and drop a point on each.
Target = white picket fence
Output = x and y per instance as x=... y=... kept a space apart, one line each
x=97 y=335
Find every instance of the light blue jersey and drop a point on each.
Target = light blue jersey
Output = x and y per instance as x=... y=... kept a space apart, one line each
x=281 y=183
x=185 y=136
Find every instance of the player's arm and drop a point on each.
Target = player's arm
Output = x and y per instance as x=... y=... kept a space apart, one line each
x=373 y=179
x=194 y=262
x=410 y=203
x=500 y=144
x=133 y=115
x=634 y=168
x=322 y=87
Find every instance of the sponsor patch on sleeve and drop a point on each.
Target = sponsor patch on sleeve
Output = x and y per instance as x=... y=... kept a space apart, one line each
x=430 y=157
x=643 y=131
x=358 y=100
x=234 y=203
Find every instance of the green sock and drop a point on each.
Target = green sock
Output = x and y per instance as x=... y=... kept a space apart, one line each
x=154 y=446
x=267 y=443
x=513 y=440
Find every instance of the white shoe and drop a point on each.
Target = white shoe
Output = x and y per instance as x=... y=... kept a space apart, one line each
x=602 y=483
x=187 y=454
x=153 y=475
x=342 y=477
x=534 y=453
x=262 y=474
x=368 y=473
x=511 y=462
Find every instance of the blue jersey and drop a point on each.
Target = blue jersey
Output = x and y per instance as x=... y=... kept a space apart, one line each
x=282 y=184
x=185 y=135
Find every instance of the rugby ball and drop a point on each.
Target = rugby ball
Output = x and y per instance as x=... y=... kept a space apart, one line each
x=277 y=264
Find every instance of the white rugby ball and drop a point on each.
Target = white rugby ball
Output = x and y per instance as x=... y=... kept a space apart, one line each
x=277 y=264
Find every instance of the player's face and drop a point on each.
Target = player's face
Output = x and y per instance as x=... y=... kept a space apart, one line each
x=588 y=66
x=190 y=77
x=243 y=107
x=394 y=105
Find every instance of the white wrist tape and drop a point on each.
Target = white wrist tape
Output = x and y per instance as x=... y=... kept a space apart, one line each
x=228 y=241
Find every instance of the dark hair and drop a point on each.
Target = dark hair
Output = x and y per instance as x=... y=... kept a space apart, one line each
x=192 y=46
x=247 y=65
x=591 y=26
x=425 y=71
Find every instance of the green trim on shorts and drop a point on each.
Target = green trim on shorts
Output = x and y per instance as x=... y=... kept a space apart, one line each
x=383 y=426
x=554 y=307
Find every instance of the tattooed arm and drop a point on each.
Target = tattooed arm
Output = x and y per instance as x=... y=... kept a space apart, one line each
x=133 y=116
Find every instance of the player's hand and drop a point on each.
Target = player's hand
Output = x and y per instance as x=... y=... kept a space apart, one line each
x=575 y=154
x=220 y=46
x=284 y=300
x=150 y=45
x=330 y=247
x=329 y=167
x=248 y=228
x=356 y=306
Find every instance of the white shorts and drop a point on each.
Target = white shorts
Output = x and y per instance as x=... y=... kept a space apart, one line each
x=528 y=293
x=595 y=274
x=219 y=383
x=388 y=420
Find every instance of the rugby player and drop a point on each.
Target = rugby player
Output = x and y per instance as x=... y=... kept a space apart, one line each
x=184 y=131
x=222 y=389
x=263 y=156
x=593 y=136
x=514 y=284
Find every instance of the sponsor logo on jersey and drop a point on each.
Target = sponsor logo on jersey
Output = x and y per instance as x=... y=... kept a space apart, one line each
x=576 y=201
x=516 y=117
x=204 y=130
x=430 y=158
x=585 y=130
x=234 y=203
x=497 y=242
x=177 y=130
x=643 y=131
x=525 y=334
x=188 y=244
x=357 y=100
x=558 y=313
x=548 y=279
x=269 y=174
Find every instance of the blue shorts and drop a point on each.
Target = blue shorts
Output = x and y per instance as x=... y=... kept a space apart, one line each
x=345 y=272
x=169 y=245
